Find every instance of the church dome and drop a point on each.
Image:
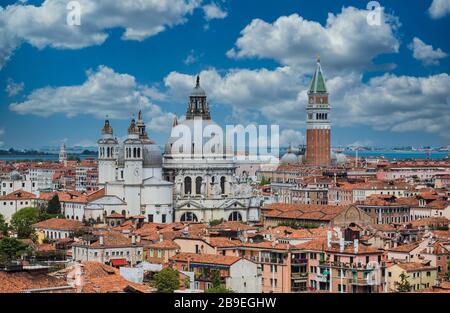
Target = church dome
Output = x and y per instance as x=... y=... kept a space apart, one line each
x=338 y=158
x=189 y=124
x=289 y=158
x=198 y=91
x=152 y=156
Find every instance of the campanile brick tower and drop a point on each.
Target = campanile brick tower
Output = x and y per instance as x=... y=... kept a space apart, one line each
x=318 y=121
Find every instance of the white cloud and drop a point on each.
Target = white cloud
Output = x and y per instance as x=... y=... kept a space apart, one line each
x=347 y=42
x=439 y=8
x=213 y=11
x=13 y=89
x=361 y=143
x=396 y=103
x=426 y=53
x=104 y=92
x=86 y=143
x=191 y=58
x=250 y=93
x=388 y=102
x=46 y=25
x=291 y=137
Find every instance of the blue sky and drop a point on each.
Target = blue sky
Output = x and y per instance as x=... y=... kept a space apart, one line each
x=389 y=84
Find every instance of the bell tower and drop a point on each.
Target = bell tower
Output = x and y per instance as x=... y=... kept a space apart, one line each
x=318 y=121
x=107 y=153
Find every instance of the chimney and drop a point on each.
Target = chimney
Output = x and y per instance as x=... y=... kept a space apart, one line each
x=329 y=235
x=133 y=239
x=161 y=237
x=138 y=239
x=341 y=244
x=101 y=240
x=356 y=245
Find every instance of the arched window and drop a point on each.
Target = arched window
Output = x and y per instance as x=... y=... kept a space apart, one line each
x=139 y=152
x=213 y=179
x=189 y=217
x=235 y=216
x=187 y=185
x=198 y=185
x=124 y=213
x=222 y=184
x=134 y=152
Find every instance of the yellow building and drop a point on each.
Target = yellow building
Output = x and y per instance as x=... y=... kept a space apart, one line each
x=418 y=275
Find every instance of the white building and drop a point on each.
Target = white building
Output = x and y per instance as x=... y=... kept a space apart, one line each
x=110 y=248
x=13 y=202
x=203 y=169
x=132 y=172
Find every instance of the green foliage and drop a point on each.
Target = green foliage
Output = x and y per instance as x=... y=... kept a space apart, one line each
x=297 y=225
x=444 y=227
x=54 y=206
x=3 y=226
x=215 y=222
x=10 y=249
x=216 y=279
x=447 y=274
x=264 y=181
x=219 y=289
x=72 y=157
x=22 y=220
x=403 y=285
x=167 y=280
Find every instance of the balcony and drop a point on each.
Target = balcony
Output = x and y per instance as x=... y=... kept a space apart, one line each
x=361 y=282
x=322 y=278
x=299 y=275
x=299 y=261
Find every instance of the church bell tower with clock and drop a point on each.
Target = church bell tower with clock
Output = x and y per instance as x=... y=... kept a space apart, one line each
x=318 y=121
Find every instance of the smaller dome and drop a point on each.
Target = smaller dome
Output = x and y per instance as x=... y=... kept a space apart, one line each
x=338 y=158
x=289 y=158
x=152 y=156
x=198 y=91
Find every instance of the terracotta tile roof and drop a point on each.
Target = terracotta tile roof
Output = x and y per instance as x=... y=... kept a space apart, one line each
x=165 y=245
x=18 y=195
x=232 y=226
x=302 y=211
x=268 y=245
x=96 y=194
x=110 y=239
x=321 y=245
x=205 y=258
x=412 y=266
x=101 y=278
x=223 y=242
x=430 y=221
x=59 y=224
x=406 y=248
x=22 y=281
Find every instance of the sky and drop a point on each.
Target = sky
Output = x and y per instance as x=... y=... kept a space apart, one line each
x=389 y=82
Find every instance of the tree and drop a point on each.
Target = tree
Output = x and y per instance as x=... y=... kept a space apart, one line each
x=219 y=289
x=54 y=206
x=22 y=220
x=217 y=284
x=3 y=226
x=403 y=285
x=10 y=249
x=215 y=222
x=167 y=280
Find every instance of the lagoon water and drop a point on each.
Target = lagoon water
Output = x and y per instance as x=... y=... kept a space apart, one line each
x=389 y=154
